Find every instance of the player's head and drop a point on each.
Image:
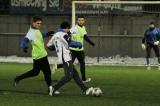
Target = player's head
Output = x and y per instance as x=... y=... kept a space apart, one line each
x=151 y=25
x=65 y=26
x=80 y=20
x=36 y=22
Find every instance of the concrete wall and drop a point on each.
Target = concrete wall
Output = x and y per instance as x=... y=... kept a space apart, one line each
x=119 y=34
x=110 y=25
x=20 y=24
x=105 y=46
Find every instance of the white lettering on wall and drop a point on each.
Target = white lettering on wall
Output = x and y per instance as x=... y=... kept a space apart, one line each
x=53 y=3
x=30 y=3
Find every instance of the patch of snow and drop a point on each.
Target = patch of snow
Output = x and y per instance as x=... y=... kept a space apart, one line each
x=114 y=60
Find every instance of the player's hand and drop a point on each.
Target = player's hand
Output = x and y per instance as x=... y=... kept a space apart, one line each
x=143 y=46
x=50 y=33
x=80 y=47
x=25 y=50
x=156 y=43
x=52 y=48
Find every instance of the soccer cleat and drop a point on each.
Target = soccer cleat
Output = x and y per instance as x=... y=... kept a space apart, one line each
x=56 y=92
x=158 y=67
x=54 y=68
x=51 y=89
x=148 y=67
x=16 y=81
x=89 y=91
x=87 y=80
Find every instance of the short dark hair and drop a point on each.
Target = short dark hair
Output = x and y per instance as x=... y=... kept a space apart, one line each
x=64 y=25
x=151 y=23
x=80 y=16
x=36 y=18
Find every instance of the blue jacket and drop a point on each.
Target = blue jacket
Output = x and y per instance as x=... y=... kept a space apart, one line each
x=151 y=35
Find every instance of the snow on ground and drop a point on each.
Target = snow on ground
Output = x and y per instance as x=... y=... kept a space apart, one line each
x=114 y=60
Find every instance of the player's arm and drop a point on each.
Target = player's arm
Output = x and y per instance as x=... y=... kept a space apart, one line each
x=144 y=37
x=157 y=37
x=72 y=43
x=69 y=34
x=143 y=41
x=48 y=34
x=86 y=38
x=158 y=34
x=50 y=45
x=72 y=31
x=24 y=44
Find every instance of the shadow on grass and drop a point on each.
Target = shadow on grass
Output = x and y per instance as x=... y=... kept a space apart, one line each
x=22 y=92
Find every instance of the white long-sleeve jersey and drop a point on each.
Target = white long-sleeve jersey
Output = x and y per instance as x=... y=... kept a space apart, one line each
x=61 y=45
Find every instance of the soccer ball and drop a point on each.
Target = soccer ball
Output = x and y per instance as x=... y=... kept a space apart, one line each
x=97 y=92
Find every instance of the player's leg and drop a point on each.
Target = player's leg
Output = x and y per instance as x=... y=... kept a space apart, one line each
x=81 y=59
x=47 y=74
x=74 y=55
x=156 y=50
x=148 y=60
x=55 y=67
x=46 y=70
x=78 y=80
x=59 y=66
x=67 y=77
x=84 y=88
x=34 y=72
x=69 y=74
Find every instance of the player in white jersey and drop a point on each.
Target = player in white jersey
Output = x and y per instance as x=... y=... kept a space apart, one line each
x=79 y=34
x=61 y=42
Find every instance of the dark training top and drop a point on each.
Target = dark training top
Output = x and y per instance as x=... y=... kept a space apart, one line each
x=151 y=35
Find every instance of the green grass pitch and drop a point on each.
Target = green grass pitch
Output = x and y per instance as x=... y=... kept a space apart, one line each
x=122 y=86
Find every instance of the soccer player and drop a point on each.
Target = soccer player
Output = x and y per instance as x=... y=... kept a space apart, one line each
x=39 y=54
x=80 y=34
x=61 y=41
x=151 y=37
